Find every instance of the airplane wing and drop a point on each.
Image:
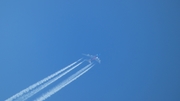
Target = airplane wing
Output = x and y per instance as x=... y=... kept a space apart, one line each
x=87 y=55
x=98 y=60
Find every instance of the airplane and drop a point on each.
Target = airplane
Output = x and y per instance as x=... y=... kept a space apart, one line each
x=92 y=58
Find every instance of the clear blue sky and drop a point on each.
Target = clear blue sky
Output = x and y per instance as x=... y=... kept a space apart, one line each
x=138 y=43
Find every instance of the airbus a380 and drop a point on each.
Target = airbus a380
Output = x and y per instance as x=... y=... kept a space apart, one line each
x=93 y=58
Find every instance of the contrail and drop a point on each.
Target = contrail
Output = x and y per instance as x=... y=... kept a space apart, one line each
x=65 y=83
x=40 y=82
x=28 y=95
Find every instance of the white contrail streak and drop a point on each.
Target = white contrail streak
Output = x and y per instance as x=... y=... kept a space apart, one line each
x=65 y=83
x=39 y=88
x=40 y=82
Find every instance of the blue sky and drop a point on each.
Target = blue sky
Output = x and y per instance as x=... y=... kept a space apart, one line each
x=138 y=43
